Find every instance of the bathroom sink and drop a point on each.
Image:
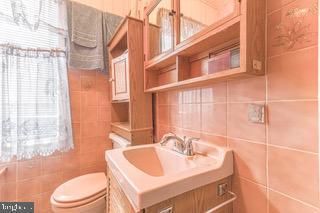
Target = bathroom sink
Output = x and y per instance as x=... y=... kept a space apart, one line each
x=149 y=174
x=157 y=162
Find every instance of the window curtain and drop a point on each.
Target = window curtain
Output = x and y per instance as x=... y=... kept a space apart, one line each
x=34 y=109
x=165 y=21
x=189 y=27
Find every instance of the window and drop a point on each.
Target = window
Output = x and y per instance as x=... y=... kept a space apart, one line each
x=34 y=109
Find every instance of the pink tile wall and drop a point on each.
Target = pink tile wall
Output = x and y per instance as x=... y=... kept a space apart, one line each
x=276 y=164
x=35 y=180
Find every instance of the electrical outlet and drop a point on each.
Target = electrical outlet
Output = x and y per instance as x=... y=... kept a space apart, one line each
x=256 y=113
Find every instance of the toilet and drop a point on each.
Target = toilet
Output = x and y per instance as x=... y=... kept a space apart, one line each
x=86 y=193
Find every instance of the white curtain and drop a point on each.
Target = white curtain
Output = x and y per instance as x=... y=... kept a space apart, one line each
x=189 y=27
x=34 y=100
x=165 y=21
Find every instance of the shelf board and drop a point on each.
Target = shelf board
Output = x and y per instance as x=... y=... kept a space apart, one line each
x=223 y=33
x=198 y=81
x=122 y=125
x=120 y=101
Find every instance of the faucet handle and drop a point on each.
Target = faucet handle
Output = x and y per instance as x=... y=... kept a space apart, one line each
x=189 y=147
x=191 y=139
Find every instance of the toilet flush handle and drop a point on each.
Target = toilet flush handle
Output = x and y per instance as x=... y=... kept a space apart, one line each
x=3 y=170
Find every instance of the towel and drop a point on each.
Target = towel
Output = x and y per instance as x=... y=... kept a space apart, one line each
x=89 y=33
x=85 y=22
x=110 y=25
x=85 y=37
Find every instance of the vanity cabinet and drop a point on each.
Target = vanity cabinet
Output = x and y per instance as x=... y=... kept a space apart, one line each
x=197 y=42
x=194 y=201
x=131 y=108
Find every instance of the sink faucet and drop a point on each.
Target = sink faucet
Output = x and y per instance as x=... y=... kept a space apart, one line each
x=181 y=145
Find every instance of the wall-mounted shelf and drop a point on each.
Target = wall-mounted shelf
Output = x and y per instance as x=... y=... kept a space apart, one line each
x=198 y=81
x=189 y=62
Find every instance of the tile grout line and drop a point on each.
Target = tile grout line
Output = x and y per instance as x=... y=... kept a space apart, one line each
x=266 y=110
x=291 y=52
x=295 y=199
x=276 y=10
x=276 y=191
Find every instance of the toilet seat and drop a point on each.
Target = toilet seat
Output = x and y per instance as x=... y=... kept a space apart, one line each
x=80 y=191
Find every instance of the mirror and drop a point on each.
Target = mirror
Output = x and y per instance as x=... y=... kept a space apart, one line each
x=160 y=31
x=195 y=15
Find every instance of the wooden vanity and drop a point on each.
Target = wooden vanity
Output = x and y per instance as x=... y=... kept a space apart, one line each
x=195 y=201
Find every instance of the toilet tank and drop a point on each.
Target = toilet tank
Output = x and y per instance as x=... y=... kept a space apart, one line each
x=118 y=141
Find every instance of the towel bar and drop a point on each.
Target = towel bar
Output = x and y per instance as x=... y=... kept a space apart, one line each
x=2 y=171
x=234 y=196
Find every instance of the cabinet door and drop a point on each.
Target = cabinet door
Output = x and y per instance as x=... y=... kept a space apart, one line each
x=160 y=29
x=198 y=15
x=120 y=78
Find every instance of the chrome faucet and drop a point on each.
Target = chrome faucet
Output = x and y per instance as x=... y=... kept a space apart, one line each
x=181 y=145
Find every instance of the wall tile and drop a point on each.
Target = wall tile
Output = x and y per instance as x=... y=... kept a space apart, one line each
x=247 y=90
x=294 y=125
x=191 y=96
x=8 y=191
x=252 y=198
x=279 y=203
x=175 y=116
x=163 y=98
x=249 y=160
x=29 y=169
x=276 y=4
x=214 y=139
x=294 y=173
x=51 y=182
x=29 y=187
x=293 y=75
x=191 y=118
x=214 y=118
x=214 y=93
x=10 y=173
x=163 y=114
x=304 y=34
x=51 y=164
x=239 y=126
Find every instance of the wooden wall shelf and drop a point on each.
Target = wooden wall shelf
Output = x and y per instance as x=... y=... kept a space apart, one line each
x=223 y=33
x=198 y=81
x=127 y=91
x=187 y=63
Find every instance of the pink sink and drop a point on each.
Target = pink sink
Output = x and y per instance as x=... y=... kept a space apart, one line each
x=149 y=174
x=155 y=161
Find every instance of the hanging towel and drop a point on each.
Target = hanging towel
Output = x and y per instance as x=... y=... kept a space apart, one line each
x=90 y=30
x=85 y=22
x=85 y=37
x=110 y=25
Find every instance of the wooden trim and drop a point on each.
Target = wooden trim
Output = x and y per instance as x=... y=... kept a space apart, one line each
x=120 y=26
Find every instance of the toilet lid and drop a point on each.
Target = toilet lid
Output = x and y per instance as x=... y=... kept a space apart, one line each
x=80 y=188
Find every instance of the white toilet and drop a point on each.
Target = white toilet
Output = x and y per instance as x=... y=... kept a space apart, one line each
x=86 y=193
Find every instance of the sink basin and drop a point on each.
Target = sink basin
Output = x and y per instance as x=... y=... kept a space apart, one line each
x=157 y=162
x=149 y=174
